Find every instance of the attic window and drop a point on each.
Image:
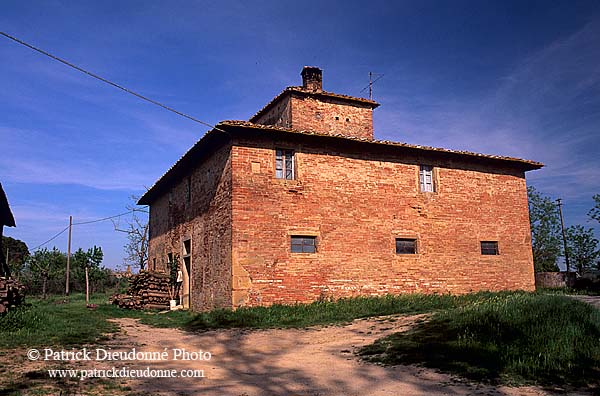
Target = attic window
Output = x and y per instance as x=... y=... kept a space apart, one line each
x=284 y=164
x=337 y=118
x=347 y=119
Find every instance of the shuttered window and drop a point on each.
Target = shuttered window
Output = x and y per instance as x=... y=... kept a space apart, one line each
x=426 y=178
x=284 y=164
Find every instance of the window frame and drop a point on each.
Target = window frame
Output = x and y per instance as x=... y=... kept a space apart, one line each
x=303 y=245
x=288 y=163
x=415 y=242
x=494 y=250
x=424 y=171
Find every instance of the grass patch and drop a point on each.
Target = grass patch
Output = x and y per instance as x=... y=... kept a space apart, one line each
x=327 y=312
x=58 y=322
x=507 y=337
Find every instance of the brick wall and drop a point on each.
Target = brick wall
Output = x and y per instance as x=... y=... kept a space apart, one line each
x=356 y=204
x=328 y=115
x=206 y=221
x=321 y=114
x=280 y=114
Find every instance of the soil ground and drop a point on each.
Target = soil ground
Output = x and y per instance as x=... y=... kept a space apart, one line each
x=317 y=361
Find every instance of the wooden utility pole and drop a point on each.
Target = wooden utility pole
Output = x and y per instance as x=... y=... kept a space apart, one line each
x=562 y=224
x=69 y=255
x=87 y=287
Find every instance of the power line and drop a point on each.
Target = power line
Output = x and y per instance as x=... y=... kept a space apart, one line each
x=104 y=80
x=108 y=218
x=51 y=239
x=88 y=222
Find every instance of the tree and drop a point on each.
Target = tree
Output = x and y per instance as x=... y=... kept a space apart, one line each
x=545 y=231
x=90 y=260
x=594 y=213
x=137 y=236
x=46 y=264
x=17 y=254
x=583 y=247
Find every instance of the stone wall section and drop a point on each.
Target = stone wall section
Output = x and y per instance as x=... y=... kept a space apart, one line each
x=202 y=215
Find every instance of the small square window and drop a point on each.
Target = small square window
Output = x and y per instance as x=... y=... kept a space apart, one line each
x=489 y=248
x=426 y=178
x=406 y=246
x=188 y=190
x=304 y=244
x=284 y=164
x=187 y=247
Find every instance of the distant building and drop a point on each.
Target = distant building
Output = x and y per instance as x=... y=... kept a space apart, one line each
x=6 y=219
x=302 y=203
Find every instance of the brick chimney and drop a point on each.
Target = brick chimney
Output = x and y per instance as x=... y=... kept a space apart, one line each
x=312 y=78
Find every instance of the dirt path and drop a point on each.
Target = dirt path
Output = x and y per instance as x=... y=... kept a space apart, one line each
x=315 y=362
x=593 y=300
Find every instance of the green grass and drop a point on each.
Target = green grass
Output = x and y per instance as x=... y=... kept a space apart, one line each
x=510 y=338
x=55 y=322
x=325 y=312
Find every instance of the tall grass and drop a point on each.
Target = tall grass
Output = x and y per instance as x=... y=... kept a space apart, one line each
x=507 y=337
x=328 y=312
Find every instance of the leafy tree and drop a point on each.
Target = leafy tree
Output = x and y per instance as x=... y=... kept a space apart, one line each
x=545 y=231
x=594 y=213
x=18 y=252
x=583 y=247
x=44 y=265
x=137 y=235
x=90 y=259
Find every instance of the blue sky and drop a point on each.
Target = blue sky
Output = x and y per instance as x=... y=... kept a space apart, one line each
x=518 y=78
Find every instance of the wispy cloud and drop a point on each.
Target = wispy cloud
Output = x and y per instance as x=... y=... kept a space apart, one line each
x=547 y=109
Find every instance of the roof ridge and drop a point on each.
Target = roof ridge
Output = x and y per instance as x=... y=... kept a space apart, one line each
x=249 y=124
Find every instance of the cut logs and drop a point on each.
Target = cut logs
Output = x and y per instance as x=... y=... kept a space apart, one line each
x=12 y=293
x=147 y=290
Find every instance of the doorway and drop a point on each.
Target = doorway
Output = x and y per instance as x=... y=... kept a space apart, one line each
x=186 y=285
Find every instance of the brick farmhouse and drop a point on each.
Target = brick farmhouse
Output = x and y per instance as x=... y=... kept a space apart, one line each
x=301 y=203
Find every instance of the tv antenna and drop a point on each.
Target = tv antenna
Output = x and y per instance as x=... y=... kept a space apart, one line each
x=371 y=82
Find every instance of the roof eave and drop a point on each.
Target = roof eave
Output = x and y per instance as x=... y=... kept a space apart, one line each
x=299 y=90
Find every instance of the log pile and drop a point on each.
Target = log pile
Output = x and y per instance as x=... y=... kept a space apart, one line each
x=147 y=290
x=12 y=293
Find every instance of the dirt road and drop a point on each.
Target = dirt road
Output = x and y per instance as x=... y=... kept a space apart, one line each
x=315 y=362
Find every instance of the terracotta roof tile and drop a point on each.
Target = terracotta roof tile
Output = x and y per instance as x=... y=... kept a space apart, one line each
x=248 y=124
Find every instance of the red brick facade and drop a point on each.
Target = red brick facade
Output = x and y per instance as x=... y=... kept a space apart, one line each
x=355 y=196
x=309 y=108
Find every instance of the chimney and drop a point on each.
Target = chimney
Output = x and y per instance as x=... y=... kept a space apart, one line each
x=312 y=78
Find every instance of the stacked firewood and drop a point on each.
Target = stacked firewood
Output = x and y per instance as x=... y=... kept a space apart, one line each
x=12 y=293
x=147 y=290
